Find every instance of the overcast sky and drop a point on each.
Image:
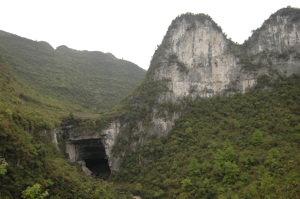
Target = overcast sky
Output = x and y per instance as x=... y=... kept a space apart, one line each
x=129 y=29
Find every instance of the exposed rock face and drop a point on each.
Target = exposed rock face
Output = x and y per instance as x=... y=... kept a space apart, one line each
x=82 y=145
x=279 y=33
x=109 y=139
x=196 y=59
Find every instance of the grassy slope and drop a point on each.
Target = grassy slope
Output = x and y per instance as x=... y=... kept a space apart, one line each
x=28 y=150
x=38 y=87
x=84 y=81
x=216 y=150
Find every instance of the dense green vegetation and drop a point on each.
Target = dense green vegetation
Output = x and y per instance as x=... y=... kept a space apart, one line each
x=81 y=80
x=30 y=164
x=244 y=146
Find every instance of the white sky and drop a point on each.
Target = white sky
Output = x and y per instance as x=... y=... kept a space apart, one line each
x=129 y=29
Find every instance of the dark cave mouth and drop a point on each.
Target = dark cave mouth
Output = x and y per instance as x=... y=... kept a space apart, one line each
x=99 y=167
x=93 y=153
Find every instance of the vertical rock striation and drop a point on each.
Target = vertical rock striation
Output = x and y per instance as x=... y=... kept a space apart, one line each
x=279 y=33
x=196 y=59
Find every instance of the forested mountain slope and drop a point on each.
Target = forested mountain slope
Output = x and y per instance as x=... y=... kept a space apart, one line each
x=198 y=75
x=28 y=158
x=196 y=60
x=211 y=119
x=86 y=81
x=244 y=146
x=39 y=86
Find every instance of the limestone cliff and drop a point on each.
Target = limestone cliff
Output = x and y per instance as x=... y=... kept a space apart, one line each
x=279 y=33
x=279 y=39
x=196 y=60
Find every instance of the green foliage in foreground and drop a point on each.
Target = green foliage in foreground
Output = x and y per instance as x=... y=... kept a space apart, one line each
x=34 y=192
x=30 y=164
x=244 y=146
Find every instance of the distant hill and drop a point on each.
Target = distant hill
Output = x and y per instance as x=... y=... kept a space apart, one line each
x=85 y=80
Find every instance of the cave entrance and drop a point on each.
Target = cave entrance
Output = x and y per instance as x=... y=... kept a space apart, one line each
x=99 y=167
x=93 y=153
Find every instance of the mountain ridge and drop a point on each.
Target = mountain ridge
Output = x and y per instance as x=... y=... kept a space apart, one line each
x=194 y=61
x=202 y=138
x=102 y=78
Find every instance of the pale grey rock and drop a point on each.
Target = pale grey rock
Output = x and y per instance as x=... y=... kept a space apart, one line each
x=71 y=152
x=203 y=65
x=85 y=170
x=197 y=60
x=56 y=133
x=279 y=33
x=109 y=137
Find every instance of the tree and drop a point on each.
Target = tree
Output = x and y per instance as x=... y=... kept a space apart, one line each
x=194 y=167
x=272 y=158
x=186 y=184
x=3 y=165
x=229 y=153
x=34 y=192
x=257 y=138
x=231 y=171
x=225 y=155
